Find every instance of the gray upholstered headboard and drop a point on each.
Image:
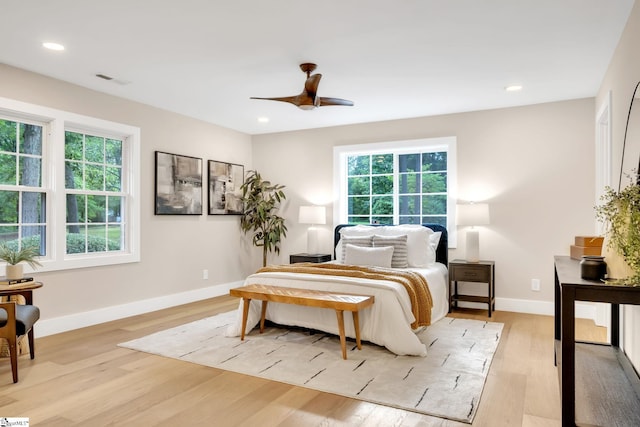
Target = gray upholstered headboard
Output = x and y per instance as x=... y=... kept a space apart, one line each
x=442 y=251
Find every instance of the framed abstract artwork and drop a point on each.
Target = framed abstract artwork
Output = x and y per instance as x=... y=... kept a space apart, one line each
x=225 y=192
x=178 y=185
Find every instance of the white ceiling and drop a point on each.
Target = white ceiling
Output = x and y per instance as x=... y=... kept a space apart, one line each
x=394 y=59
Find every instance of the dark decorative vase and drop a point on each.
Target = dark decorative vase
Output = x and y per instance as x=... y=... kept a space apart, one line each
x=593 y=267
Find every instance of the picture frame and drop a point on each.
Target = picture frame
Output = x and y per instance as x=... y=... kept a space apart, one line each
x=224 y=188
x=178 y=184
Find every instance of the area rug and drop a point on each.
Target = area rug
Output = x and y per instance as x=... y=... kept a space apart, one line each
x=447 y=383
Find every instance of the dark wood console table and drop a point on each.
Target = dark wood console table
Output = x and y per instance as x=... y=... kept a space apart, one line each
x=600 y=374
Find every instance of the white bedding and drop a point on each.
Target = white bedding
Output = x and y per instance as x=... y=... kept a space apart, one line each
x=387 y=322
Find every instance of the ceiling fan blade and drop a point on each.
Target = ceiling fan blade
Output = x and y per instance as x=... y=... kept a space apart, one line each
x=334 y=101
x=295 y=100
x=299 y=100
x=311 y=85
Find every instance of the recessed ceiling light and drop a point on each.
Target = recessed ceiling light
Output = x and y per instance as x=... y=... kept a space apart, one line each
x=513 y=88
x=53 y=46
x=263 y=119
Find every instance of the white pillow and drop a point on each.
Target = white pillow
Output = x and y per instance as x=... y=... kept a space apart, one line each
x=400 y=252
x=362 y=241
x=434 y=239
x=421 y=253
x=357 y=231
x=376 y=257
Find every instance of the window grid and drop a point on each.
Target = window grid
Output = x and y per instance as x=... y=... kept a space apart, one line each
x=22 y=207
x=95 y=220
x=407 y=201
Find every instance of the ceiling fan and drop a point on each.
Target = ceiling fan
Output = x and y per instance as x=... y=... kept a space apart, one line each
x=308 y=99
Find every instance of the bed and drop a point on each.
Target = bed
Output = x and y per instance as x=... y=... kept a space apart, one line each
x=392 y=320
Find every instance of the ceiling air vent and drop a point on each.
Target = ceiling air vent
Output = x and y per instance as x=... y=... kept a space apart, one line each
x=111 y=79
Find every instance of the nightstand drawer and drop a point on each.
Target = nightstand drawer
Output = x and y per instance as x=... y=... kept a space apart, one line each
x=295 y=258
x=469 y=273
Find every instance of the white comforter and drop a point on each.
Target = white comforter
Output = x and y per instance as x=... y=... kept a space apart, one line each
x=387 y=322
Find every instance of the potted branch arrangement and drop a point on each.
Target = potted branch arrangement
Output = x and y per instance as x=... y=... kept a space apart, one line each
x=15 y=256
x=261 y=203
x=620 y=214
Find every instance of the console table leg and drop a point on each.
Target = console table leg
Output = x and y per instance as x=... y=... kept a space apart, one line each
x=568 y=357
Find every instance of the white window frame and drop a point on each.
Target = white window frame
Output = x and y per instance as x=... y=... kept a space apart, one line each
x=341 y=152
x=54 y=123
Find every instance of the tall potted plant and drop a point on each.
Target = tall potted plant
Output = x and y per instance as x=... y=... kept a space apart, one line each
x=15 y=256
x=261 y=203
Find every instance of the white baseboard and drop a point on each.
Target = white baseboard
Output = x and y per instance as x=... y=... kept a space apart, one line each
x=89 y=318
x=584 y=310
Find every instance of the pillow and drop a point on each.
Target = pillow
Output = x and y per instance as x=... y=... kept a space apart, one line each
x=399 y=244
x=357 y=231
x=362 y=241
x=434 y=239
x=376 y=257
x=421 y=253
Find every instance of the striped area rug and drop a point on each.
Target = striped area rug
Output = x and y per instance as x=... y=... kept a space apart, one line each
x=447 y=383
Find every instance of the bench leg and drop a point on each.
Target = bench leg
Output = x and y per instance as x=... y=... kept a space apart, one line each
x=263 y=314
x=356 y=325
x=245 y=314
x=343 y=340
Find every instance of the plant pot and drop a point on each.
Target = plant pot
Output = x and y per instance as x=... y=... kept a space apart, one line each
x=14 y=271
x=617 y=268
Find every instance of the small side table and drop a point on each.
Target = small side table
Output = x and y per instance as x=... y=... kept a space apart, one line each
x=294 y=258
x=475 y=272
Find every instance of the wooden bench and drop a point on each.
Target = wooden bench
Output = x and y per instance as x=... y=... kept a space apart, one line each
x=339 y=302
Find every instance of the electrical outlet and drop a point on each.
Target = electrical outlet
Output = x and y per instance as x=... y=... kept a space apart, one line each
x=205 y=274
x=535 y=285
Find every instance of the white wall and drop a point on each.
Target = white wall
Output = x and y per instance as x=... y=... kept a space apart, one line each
x=174 y=249
x=534 y=164
x=621 y=78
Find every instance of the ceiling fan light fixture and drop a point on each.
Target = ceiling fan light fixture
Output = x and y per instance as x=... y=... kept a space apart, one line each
x=306 y=107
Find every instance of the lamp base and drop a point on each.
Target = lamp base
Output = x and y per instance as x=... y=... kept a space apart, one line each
x=312 y=240
x=473 y=246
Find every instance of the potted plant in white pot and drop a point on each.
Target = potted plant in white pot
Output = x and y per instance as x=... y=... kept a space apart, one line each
x=261 y=203
x=14 y=257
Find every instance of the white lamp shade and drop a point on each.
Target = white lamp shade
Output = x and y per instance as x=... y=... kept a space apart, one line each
x=312 y=215
x=473 y=214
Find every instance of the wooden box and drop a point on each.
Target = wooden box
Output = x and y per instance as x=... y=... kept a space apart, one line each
x=589 y=241
x=578 y=251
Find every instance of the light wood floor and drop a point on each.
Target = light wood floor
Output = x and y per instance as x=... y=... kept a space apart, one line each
x=81 y=378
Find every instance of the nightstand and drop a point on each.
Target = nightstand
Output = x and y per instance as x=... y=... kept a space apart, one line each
x=309 y=258
x=474 y=272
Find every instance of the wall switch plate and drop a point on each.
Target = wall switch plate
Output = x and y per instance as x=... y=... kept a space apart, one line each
x=535 y=285
x=205 y=274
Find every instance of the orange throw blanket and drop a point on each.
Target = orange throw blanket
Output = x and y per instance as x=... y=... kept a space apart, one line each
x=415 y=284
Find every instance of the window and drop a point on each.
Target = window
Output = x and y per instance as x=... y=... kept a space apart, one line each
x=94 y=197
x=22 y=201
x=408 y=182
x=68 y=184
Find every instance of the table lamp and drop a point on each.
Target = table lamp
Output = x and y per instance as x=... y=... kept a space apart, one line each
x=473 y=214
x=314 y=215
